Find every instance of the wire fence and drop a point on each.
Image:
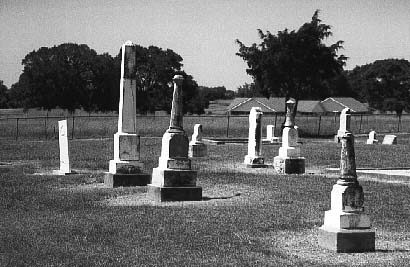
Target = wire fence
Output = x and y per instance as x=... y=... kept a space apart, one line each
x=100 y=126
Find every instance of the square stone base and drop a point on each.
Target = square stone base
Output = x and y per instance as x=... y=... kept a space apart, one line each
x=136 y=179
x=289 y=165
x=347 y=240
x=254 y=162
x=256 y=166
x=161 y=194
x=173 y=178
x=197 y=150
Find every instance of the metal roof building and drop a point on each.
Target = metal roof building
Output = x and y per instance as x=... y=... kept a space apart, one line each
x=337 y=104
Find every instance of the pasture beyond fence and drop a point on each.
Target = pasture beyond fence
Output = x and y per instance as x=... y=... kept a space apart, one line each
x=103 y=126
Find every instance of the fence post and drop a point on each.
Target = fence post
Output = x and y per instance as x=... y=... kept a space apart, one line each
x=72 y=129
x=45 y=126
x=318 y=128
x=17 y=129
x=274 y=129
x=360 y=125
x=399 y=123
x=227 y=126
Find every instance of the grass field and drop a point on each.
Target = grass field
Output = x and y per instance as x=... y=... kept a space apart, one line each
x=248 y=217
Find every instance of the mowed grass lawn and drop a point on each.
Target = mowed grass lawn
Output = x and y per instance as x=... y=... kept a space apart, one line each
x=248 y=217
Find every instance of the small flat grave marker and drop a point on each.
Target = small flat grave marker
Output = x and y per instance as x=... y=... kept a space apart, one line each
x=390 y=139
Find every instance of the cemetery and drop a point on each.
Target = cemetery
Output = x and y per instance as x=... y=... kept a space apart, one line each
x=143 y=200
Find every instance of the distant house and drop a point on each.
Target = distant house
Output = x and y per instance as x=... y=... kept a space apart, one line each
x=276 y=105
x=310 y=107
x=337 y=104
x=242 y=106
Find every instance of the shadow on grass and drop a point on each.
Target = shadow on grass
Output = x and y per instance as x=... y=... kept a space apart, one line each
x=228 y=197
x=392 y=250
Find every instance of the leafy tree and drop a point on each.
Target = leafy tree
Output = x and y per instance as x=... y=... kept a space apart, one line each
x=3 y=95
x=194 y=101
x=213 y=93
x=248 y=90
x=61 y=76
x=294 y=63
x=339 y=86
x=72 y=76
x=384 y=84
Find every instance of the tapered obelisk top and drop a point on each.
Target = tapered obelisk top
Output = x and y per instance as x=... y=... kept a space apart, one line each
x=344 y=127
x=177 y=115
x=290 y=120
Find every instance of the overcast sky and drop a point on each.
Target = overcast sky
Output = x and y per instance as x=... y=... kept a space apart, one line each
x=203 y=32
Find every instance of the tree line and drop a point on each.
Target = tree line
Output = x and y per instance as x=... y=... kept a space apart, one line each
x=297 y=64
x=73 y=76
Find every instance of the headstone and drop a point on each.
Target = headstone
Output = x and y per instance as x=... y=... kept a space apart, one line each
x=344 y=124
x=254 y=157
x=270 y=134
x=390 y=139
x=197 y=148
x=65 y=166
x=174 y=179
x=372 y=138
x=289 y=160
x=346 y=227
x=126 y=169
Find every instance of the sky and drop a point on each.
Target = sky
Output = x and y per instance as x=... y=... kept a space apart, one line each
x=203 y=32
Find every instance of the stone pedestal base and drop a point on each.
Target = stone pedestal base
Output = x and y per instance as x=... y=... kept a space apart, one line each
x=347 y=240
x=125 y=166
x=197 y=150
x=161 y=194
x=289 y=165
x=254 y=162
x=136 y=179
x=173 y=178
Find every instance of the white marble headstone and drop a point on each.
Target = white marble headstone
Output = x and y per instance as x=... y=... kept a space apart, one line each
x=255 y=132
x=63 y=143
x=344 y=122
x=270 y=132
x=197 y=135
x=390 y=139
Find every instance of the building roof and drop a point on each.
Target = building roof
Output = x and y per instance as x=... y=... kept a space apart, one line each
x=310 y=106
x=277 y=105
x=273 y=104
x=337 y=104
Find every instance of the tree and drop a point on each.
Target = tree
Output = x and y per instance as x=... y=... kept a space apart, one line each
x=248 y=90
x=213 y=93
x=384 y=84
x=72 y=76
x=61 y=76
x=339 y=86
x=294 y=63
x=3 y=95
